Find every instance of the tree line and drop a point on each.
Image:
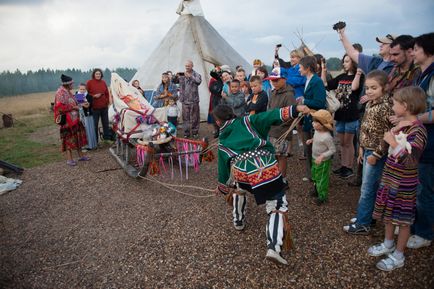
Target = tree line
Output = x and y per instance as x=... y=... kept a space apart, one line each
x=43 y=80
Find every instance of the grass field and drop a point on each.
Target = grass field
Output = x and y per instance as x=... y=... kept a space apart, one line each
x=27 y=105
x=33 y=140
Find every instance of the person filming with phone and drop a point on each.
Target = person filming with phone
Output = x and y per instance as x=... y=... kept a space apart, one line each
x=282 y=63
x=189 y=82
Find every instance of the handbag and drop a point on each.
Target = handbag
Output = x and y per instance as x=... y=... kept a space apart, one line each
x=333 y=103
x=60 y=119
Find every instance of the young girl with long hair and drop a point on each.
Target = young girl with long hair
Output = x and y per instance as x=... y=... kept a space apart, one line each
x=372 y=151
x=347 y=87
x=396 y=198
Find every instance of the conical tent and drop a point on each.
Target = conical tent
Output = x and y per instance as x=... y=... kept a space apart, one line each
x=192 y=37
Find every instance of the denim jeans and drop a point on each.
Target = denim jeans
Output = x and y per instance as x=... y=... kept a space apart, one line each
x=347 y=126
x=371 y=178
x=103 y=114
x=425 y=203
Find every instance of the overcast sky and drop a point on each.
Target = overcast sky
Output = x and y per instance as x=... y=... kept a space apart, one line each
x=113 y=33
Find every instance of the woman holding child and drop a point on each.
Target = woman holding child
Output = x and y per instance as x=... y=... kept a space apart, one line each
x=72 y=132
x=165 y=90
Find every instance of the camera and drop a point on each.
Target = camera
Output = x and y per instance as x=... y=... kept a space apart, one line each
x=340 y=25
x=278 y=45
x=180 y=73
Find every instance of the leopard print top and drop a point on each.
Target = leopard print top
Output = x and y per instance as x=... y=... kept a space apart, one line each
x=374 y=124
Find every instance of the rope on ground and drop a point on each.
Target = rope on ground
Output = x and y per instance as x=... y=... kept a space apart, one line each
x=290 y=129
x=172 y=187
x=65 y=264
x=213 y=144
x=108 y=170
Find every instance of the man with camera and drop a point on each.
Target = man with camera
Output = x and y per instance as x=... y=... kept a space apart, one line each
x=366 y=62
x=189 y=82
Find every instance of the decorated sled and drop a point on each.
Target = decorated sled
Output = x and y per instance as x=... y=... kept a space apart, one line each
x=145 y=143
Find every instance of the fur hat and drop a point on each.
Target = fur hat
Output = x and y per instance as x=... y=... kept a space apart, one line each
x=324 y=117
x=66 y=79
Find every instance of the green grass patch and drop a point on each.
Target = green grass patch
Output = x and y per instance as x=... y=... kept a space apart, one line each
x=19 y=146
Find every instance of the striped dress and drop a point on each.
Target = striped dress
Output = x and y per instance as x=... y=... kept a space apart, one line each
x=396 y=196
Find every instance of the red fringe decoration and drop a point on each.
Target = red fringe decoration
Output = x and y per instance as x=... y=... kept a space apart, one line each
x=154 y=169
x=229 y=198
x=208 y=156
x=288 y=242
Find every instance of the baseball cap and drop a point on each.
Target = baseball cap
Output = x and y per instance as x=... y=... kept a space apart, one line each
x=386 y=39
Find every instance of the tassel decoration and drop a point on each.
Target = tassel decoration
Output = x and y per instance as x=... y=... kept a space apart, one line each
x=288 y=242
x=153 y=168
x=229 y=198
x=208 y=156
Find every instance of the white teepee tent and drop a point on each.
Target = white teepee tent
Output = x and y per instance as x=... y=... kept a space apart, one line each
x=191 y=38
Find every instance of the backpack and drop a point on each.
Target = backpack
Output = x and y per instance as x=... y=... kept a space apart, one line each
x=332 y=103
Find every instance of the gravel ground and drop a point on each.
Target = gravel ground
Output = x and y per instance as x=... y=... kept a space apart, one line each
x=92 y=226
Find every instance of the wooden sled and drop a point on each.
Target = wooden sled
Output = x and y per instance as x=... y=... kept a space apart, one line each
x=132 y=119
x=139 y=158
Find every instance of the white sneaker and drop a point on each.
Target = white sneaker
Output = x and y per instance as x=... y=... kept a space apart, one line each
x=380 y=249
x=275 y=257
x=390 y=263
x=239 y=225
x=353 y=220
x=416 y=242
